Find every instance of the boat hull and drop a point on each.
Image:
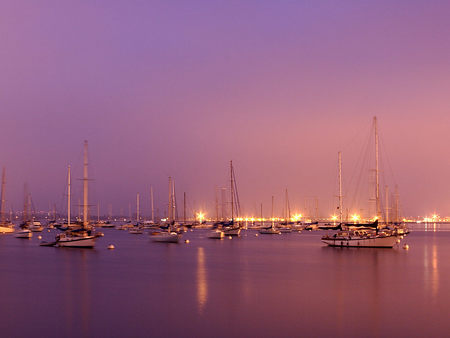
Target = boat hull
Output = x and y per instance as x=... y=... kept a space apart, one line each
x=232 y=232
x=269 y=231
x=81 y=242
x=24 y=234
x=6 y=229
x=172 y=237
x=358 y=242
x=216 y=234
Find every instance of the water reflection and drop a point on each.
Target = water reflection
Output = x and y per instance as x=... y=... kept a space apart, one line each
x=431 y=270
x=202 y=284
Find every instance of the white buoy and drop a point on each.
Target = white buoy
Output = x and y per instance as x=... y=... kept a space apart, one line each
x=111 y=246
x=406 y=246
x=229 y=237
x=186 y=241
x=256 y=235
x=398 y=241
x=39 y=237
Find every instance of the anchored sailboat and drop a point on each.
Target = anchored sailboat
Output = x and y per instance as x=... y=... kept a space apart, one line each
x=233 y=228
x=5 y=226
x=170 y=235
x=366 y=235
x=82 y=237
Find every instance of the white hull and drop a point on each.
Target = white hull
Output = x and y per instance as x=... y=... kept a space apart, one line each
x=77 y=242
x=6 y=229
x=269 y=231
x=24 y=234
x=216 y=234
x=360 y=242
x=232 y=232
x=167 y=237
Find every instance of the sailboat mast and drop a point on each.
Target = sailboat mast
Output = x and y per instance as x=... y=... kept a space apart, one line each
x=137 y=208
x=272 y=213
x=68 y=196
x=151 y=199
x=98 y=212
x=340 y=185
x=232 y=190
x=2 y=197
x=396 y=204
x=85 y=185
x=261 y=216
x=184 y=208
x=217 y=207
x=377 y=171
x=386 y=192
x=169 y=211
x=25 y=204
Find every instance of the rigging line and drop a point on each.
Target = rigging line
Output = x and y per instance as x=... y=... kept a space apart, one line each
x=360 y=165
x=386 y=155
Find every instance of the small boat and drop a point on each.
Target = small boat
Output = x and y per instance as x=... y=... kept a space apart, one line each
x=5 y=226
x=76 y=239
x=171 y=233
x=24 y=233
x=136 y=230
x=166 y=237
x=36 y=226
x=269 y=231
x=216 y=234
x=361 y=239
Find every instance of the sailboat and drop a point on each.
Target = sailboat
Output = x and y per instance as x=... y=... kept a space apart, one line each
x=170 y=235
x=366 y=235
x=233 y=228
x=5 y=226
x=82 y=237
x=24 y=231
x=216 y=232
x=271 y=230
x=137 y=229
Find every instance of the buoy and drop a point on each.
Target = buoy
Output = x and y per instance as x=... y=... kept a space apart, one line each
x=256 y=235
x=186 y=241
x=398 y=241
x=406 y=246
x=111 y=246
x=229 y=237
x=39 y=237
x=48 y=230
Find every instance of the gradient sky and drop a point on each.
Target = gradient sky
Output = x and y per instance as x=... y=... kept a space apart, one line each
x=179 y=88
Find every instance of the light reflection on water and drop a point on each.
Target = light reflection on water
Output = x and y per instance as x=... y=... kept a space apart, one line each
x=202 y=284
x=287 y=285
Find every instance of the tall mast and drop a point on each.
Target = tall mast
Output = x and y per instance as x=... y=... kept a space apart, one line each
x=184 y=208
x=68 y=196
x=217 y=207
x=98 y=212
x=262 y=224
x=386 y=192
x=85 y=185
x=2 y=197
x=169 y=211
x=232 y=190
x=151 y=199
x=137 y=208
x=272 y=213
x=340 y=186
x=25 y=203
x=396 y=204
x=377 y=171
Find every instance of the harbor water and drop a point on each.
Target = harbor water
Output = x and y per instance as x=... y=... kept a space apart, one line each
x=287 y=285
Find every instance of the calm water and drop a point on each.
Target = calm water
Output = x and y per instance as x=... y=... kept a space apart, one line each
x=286 y=285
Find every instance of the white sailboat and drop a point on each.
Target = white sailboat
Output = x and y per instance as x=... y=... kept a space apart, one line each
x=233 y=229
x=137 y=229
x=83 y=237
x=5 y=226
x=362 y=235
x=169 y=236
x=272 y=230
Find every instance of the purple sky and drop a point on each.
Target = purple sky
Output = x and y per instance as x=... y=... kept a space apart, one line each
x=180 y=88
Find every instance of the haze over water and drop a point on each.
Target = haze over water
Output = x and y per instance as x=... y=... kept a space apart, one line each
x=180 y=88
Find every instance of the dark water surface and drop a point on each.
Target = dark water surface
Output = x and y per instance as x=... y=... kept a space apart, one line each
x=287 y=285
